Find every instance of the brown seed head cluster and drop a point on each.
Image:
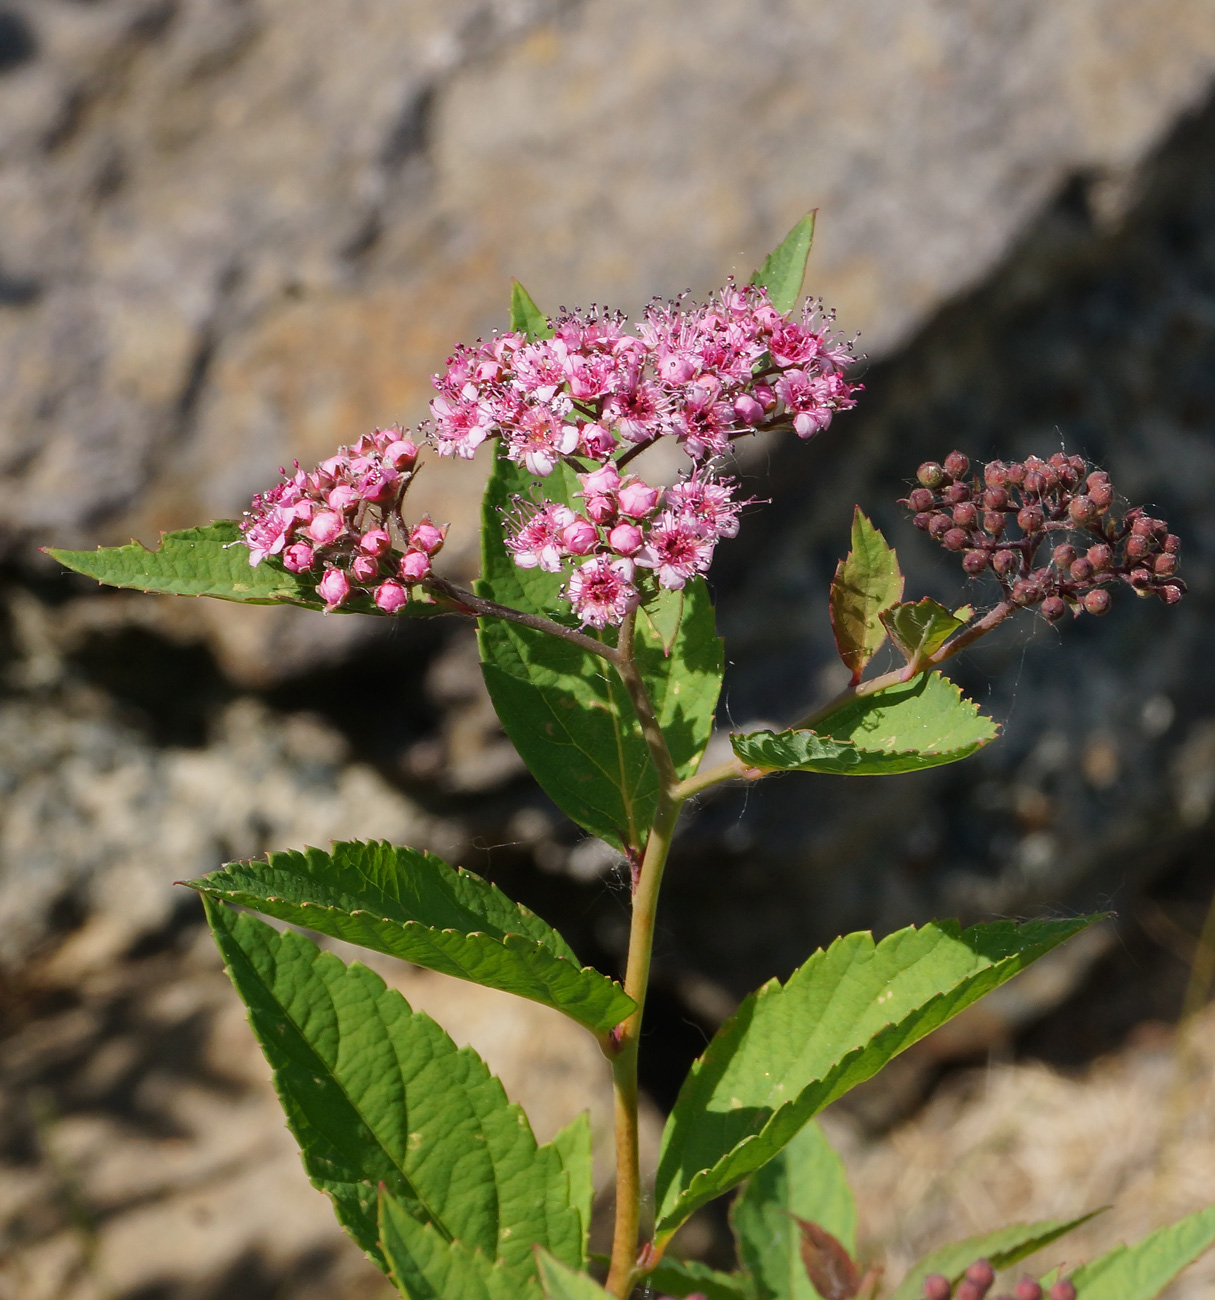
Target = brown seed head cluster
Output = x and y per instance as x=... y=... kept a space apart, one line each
x=977 y=1281
x=1000 y=520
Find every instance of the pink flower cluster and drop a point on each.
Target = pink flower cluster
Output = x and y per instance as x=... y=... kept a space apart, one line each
x=595 y=395
x=343 y=521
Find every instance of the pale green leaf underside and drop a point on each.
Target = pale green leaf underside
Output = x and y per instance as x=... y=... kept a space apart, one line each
x=792 y=1049
x=805 y=1181
x=208 y=561
x=562 y=1283
x=690 y=1277
x=1142 y=1271
x=574 y=1145
x=784 y=268
x=424 y=1265
x=525 y=316
x=867 y=583
x=377 y=1093
x=414 y=906
x=1002 y=1249
x=919 y=628
x=905 y=728
x=565 y=710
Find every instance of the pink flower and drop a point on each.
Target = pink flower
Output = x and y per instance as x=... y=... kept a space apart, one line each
x=266 y=534
x=461 y=426
x=298 y=558
x=415 y=565
x=390 y=596
x=427 y=537
x=326 y=527
x=333 y=589
x=676 y=549
x=626 y=539
x=791 y=345
x=638 y=499
x=708 y=504
x=539 y=439
x=580 y=537
x=378 y=483
x=537 y=543
x=601 y=591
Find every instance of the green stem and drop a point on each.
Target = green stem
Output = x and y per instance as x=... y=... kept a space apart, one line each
x=623 y=1272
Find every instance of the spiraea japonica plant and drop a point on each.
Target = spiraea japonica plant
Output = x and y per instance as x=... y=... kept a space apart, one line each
x=599 y=651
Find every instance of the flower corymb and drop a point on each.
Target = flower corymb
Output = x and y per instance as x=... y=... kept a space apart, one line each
x=592 y=395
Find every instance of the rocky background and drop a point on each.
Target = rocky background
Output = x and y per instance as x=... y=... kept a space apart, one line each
x=240 y=231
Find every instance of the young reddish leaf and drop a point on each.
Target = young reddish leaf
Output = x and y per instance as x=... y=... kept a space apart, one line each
x=828 y=1264
x=920 y=628
x=866 y=583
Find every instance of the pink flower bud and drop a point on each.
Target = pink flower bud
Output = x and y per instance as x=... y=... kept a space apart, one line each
x=1081 y=570
x=326 y=527
x=1063 y=1290
x=1097 y=602
x=974 y=562
x=965 y=515
x=602 y=509
x=1053 y=609
x=921 y=499
x=390 y=596
x=365 y=568
x=1027 y=1289
x=298 y=558
x=954 y=539
x=936 y=1287
x=1100 y=556
x=638 y=499
x=748 y=410
x=596 y=441
x=401 y=455
x=375 y=541
x=426 y=537
x=601 y=481
x=379 y=484
x=333 y=588
x=580 y=537
x=957 y=492
x=415 y=565
x=766 y=397
x=956 y=465
x=1005 y=562
x=626 y=539
x=342 y=498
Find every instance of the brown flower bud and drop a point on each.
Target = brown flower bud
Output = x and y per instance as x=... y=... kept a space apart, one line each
x=974 y=562
x=1005 y=562
x=1098 y=478
x=1035 y=482
x=1027 y=1289
x=1142 y=526
x=930 y=475
x=965 y=515
x=995 y=498
x=1063 y=555
x=939 y=525
x=1171 y=592
x=968 y=1290
x=1030 y=518
x=956 y=465
x=1081 y=570
x=993 y=522
x=1140 y=578
x=1015 y=474
x=923 y=520
x=1172 y=544
x=956 y=492
x=955 y=539
x=1138 y=546
x=921 y=499
x=1083 y=509
x=1097 y=601
x=995 y=475
x=1100 y=556
x=1053 y=609
x=981 y=1272
x=1026 y=592
x=936 y=1287
x=1101 y=495
x=1063 y=1290
x=1165 y=566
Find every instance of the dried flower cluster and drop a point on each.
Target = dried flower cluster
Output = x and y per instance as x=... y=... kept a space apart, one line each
x=978 y=1280
x=343 y=520
x=999 y=521
x=595 y=394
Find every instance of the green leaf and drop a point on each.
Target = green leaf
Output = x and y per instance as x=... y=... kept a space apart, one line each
x=919 y=628
x=565 y=710
x=784 y=268
x=1002 y=1249
x=211 y=561
x=377 y=1093
x=805 y=1181
x=573 y=1144
x=562 y=1283
x=424 y=1265
x=1142 y=1271
x=414 y=906
x=904 y=728
x=525 y=316
x=792 y=1049
x=866 y=584
x=675 y=1277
